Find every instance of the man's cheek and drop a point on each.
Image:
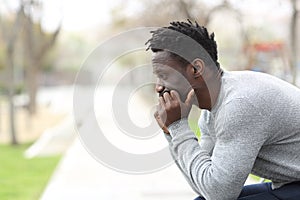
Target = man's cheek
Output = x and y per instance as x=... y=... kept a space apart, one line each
x=183 y=94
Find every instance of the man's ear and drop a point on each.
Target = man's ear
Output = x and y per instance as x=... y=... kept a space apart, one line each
x=198 y=67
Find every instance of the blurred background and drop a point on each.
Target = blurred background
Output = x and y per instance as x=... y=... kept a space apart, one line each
x=43 y=43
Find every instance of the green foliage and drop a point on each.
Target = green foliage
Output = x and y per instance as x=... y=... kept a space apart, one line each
x=2 y=89
x=20 y=178
x=19 y=89
x=133 y=59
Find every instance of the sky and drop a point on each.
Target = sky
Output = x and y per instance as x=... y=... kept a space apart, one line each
x=76 y=15
x=86 y=14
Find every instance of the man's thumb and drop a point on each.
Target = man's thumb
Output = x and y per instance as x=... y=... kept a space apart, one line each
x=189 y=97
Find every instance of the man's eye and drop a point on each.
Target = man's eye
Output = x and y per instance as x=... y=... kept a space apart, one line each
x=162 y=76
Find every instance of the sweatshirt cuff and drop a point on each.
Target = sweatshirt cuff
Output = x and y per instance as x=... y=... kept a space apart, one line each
x=181 y=130
x=168 y=137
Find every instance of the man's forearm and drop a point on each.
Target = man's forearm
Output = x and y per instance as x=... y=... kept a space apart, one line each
x=173 y=149
x=193 y=186
x=196 y=164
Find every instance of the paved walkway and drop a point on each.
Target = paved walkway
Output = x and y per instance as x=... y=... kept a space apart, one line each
x=80 y=176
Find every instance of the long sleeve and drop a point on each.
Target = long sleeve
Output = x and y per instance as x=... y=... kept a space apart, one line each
x=220 y=175
x=169 y=139
x=206 y=141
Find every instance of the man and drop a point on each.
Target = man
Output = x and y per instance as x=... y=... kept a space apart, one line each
x=250 y=121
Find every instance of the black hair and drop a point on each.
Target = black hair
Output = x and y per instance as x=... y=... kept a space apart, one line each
x=164 y=39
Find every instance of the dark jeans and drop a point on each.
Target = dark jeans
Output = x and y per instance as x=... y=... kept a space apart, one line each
x=263 y=191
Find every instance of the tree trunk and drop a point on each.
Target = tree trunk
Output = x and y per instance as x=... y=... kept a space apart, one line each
x=36 y=43
x=185 y=9
x=32 y=85
x=11 y=88
x=10 y=39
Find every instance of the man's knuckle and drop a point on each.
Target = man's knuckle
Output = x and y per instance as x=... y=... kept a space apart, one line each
x=168 y=107
x=176 y=104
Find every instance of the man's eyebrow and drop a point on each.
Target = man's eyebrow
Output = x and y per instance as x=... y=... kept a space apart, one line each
x=155 y=68
x=157 y=71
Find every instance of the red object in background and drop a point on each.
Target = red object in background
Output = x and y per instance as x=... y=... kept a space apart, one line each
x=268 y=46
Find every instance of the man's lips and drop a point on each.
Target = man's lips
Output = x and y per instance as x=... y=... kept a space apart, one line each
x=162 y=93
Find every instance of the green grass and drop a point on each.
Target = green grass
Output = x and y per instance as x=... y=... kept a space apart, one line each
x=21 y=178
x=194 y=126
x=258 y=179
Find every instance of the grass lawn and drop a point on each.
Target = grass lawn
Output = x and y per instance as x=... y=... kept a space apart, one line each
x=194 y=126
x=20 y=178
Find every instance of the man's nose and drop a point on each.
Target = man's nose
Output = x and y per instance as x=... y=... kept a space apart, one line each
x=158 y=87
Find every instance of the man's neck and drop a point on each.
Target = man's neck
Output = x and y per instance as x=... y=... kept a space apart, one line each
x=207 y=96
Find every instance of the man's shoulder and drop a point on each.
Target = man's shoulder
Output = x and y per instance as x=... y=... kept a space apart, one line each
x=257 y=85
x=247 y=76
x=256 y=91
x=255 y=78
x=251 y=85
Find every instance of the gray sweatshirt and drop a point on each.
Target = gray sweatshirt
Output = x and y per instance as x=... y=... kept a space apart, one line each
x=254 y=127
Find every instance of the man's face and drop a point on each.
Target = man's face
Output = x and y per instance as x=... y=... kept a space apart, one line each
x=171 y=74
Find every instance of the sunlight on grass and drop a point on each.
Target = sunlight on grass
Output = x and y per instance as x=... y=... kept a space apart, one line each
x=258 y=179
x=194 y=126
x=20 y=178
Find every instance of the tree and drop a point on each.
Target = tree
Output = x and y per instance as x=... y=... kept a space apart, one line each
x=36 y=43
x=10 y=35
x=159 y=12
x=24 y=25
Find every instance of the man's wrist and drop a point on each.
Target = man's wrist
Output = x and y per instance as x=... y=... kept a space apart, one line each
x=178 y=125
x=165 y=130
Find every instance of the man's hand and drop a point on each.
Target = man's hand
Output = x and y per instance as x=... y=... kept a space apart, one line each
x=171 y=108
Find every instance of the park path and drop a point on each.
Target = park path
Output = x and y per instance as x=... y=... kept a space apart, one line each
x=80 y=176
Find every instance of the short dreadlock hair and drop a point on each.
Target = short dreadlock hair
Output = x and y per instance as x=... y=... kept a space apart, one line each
x=175 y=37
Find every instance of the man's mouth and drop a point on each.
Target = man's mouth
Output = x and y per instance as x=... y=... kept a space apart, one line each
x=164 y=91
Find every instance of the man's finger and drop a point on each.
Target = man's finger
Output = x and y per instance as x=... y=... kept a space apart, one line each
x=167 y=98
x=189 y=97
x=155 y=114
x=162 y=102
x=158 y=107
x=160 y=122
x=175 y=95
